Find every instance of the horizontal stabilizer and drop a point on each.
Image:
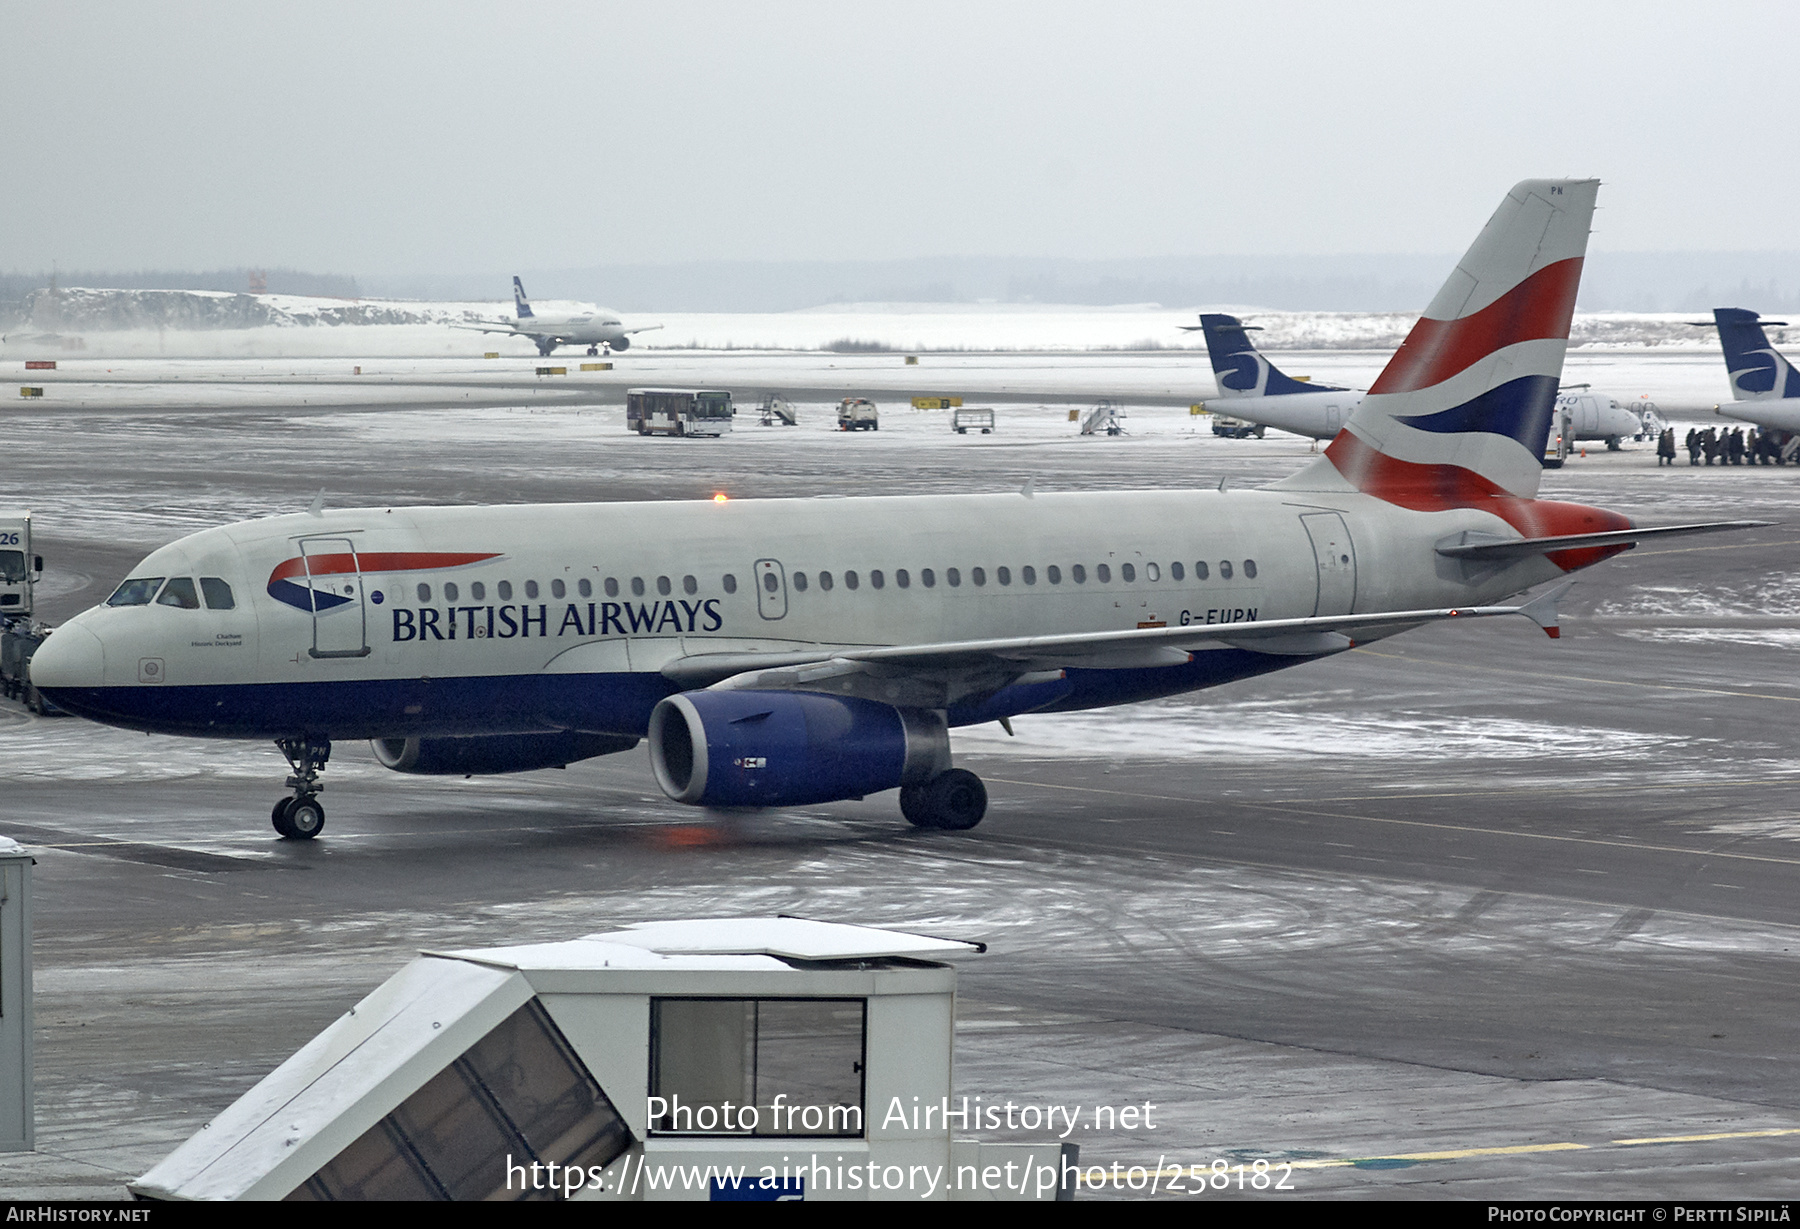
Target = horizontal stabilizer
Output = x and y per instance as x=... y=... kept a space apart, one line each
x=1471 y=545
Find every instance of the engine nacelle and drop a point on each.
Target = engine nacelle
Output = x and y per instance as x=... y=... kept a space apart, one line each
x=495 y=753
x=789 y=748
x=623 y=343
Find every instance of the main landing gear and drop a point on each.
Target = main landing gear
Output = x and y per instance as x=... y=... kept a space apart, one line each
x=955 y=800
x=302 y=817
x=593 y=351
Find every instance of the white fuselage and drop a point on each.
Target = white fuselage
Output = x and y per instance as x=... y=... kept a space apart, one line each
x=497 y=619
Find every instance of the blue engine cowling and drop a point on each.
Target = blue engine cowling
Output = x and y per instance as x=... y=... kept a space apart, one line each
x=789 y=748
x=494 y=753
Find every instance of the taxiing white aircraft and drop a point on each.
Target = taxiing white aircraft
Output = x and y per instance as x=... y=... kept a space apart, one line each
x=1255 y=390
x=786 y=652
x=593 y=329
x=1764 y=385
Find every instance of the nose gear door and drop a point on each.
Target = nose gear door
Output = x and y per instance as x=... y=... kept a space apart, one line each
x=334 y=579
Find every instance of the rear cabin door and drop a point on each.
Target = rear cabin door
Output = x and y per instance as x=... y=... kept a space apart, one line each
x=771 y=589
x=334 y=579
x=1335 y=556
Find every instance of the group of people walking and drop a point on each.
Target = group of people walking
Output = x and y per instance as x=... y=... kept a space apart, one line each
x=1736 y=446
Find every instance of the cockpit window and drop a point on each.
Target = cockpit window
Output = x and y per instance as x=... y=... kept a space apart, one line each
x=218 y=593
x=136 y=592
x=12 y=565
x=179 y=592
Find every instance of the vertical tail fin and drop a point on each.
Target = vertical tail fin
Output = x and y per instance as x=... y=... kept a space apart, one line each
x=520 y=302
x=1758 y=372
x=1240 y=370
x=1462 y=410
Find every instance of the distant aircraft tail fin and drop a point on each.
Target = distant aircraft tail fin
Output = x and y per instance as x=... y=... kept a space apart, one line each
x=1461 y=412
x=1758 y=371
x=519 y=300
x=1240 y=370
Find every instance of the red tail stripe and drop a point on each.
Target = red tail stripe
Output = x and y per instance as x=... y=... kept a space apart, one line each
x=376 y=562
x=1538 y=307
x=1434 y=488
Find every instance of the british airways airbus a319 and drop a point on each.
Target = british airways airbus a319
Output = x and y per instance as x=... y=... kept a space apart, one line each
x=789 y=652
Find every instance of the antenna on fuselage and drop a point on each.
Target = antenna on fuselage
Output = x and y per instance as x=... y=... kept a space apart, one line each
x=1027 y=490
x=317 y=507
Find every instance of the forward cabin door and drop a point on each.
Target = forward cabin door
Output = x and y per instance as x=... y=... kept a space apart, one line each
x=1335 y=556
x=334 y=580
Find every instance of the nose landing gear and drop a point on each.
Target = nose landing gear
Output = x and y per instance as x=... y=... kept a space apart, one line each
x=302 y=817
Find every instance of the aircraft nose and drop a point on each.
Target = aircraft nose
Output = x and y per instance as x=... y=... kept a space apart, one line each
x=72 y=657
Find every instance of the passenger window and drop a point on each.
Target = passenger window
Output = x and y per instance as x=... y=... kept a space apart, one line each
x=1200 y=571
x=1224 y=569
x=180 y=593
x=218 y=593
x=689 y=585
x=585 y=587
x=136 y=592
x=1249 y=569
x=1102 y=573
x=902 y=579
x=1003 y=575
x=928 y=578
x=978 y=576
x=1126 y=572
x=850 y=581
x=504 y=588
x=954 y=577
x=451 y=592
x=876 y=579
x=425 y=592
x=1151 y=572
x=558 y=589
x=1053 y=574
x=531 y=589
x=612 y=587
x=825 y=581
x=730 y=583
x=1029 y=573
x=1176 y=571
x=478 y=591
x=1079 y=574
x=637 y=586
x=799 y=582
x=663 y=586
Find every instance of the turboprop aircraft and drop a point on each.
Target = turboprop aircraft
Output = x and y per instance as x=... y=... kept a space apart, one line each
x=786 y=652
x=1764 y=386
x=1255 y=390
x=594 y=328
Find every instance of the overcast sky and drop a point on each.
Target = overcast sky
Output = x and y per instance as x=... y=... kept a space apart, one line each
x=385 y=138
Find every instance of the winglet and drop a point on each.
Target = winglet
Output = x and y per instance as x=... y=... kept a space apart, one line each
x=317 y=508
x=1541 y=610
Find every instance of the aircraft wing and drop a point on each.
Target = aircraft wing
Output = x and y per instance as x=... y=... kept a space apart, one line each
x=648 y=328
x=491 y=326
x=938 y=674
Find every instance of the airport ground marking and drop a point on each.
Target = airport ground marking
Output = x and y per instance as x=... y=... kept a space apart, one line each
x=1576 y=678
x=1701 y=1139
x=1288 y=809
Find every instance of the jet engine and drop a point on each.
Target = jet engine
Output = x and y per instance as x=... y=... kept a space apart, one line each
x=495 y=753
x=790 y=748
x=623 y=343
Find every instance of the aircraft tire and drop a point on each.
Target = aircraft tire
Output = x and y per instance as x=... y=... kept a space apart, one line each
x=953 y=801
x=304 y=819
x=278 y=816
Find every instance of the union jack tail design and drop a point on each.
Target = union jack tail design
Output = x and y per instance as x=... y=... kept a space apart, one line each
x=1758 y=371
x=1462 y=410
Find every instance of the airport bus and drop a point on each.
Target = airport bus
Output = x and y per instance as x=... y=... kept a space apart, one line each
x=678 y=411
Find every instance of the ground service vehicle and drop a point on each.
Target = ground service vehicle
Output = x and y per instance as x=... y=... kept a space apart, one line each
x=678 y=411
x=858 y=414
x=964 y=421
